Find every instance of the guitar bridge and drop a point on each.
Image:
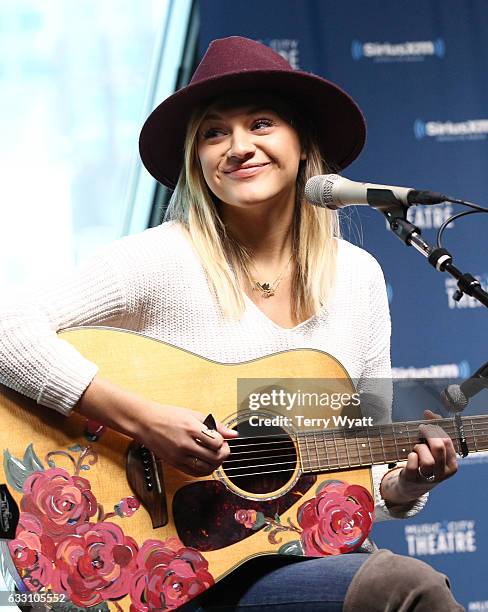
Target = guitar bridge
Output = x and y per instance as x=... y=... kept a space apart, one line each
x=146 y=480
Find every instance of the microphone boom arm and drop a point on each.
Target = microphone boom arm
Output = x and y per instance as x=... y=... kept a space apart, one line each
x=439 y=258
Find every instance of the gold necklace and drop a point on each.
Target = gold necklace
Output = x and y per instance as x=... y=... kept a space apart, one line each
x=269 y=289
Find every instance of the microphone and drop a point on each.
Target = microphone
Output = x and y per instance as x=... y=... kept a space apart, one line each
x=456 y=397
x=334 y=191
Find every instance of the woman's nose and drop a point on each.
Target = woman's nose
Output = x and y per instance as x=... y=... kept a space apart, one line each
x=241 y=144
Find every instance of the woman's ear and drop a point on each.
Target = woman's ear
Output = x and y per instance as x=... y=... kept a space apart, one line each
x=303 y=155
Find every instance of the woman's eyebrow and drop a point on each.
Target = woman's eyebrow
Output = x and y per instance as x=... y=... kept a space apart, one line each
x=250 y=111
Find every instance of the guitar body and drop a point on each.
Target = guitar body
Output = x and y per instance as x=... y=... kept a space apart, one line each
x=208 y=525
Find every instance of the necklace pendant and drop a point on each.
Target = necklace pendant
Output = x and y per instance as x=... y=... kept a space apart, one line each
x=266 y=289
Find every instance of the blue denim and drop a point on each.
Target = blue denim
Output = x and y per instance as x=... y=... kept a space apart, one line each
x=283 y=584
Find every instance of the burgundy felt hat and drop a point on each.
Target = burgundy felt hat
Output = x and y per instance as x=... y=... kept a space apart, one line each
x=239 y=64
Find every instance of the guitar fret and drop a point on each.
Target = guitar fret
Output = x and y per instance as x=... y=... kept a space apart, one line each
x=474 y=436
x=325 y=448
x=395 y=442
x=369 y=444
x=450 y=429
x=382 y=445
x=317 y=451
x=346 y=448
x=300 y=457
x=336 y=449
x=359 y=451
x=354 y=448
x=308 y=452
x=404 y=442
x=408 y=435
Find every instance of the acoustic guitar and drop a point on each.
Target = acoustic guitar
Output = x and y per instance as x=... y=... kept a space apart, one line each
x=92 y=519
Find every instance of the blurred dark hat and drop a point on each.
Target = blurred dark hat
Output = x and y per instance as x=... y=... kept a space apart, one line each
x=239 y=64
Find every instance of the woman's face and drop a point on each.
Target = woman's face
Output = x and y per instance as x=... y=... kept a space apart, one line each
x=249 y=154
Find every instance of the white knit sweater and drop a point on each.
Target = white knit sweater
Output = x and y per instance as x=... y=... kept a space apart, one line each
x=153 y=283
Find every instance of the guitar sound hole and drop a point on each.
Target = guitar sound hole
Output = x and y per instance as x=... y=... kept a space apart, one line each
x=261 y=461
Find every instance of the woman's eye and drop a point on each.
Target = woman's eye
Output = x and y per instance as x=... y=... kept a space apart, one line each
x=262 y=123
x=212 y=133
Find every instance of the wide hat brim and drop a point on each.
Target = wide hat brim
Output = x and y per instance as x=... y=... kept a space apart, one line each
x=338 y=123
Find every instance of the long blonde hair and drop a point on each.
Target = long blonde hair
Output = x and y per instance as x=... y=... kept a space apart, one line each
x=226 y=261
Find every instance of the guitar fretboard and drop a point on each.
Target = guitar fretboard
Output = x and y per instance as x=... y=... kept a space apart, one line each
x=324 y=450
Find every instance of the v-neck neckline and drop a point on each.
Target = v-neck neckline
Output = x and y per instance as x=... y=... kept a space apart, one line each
x=248 y=300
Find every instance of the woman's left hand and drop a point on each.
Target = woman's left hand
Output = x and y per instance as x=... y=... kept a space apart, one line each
x=434 y=457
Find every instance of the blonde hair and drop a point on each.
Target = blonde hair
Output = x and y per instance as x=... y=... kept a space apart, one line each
x=225 y=261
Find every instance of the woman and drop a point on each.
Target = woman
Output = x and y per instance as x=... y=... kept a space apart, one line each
x=245 y=268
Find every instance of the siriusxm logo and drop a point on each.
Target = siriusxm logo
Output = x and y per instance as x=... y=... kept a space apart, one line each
x=409 y=51
x=466 y=301
x=478 y=606
x=286 y=47
x=441 y=370
x=472 y=129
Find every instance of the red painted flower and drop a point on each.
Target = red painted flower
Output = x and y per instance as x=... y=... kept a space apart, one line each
x=59 y=500
x=95 y=564
x=169 y=574
x=337 y=520
x=246 y=517
x=127 y=506
x=32 y=552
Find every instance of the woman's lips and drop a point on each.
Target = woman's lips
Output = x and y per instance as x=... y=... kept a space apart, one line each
x=246 y=171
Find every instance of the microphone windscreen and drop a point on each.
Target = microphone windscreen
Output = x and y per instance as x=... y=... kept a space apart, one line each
x=454 y=399
x=318 y=190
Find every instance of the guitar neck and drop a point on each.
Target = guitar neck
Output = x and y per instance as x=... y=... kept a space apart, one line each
x=324 y=450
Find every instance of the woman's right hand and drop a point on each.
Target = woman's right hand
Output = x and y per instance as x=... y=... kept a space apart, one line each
x=176 y=435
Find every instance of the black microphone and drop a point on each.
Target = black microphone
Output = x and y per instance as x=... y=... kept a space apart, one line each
x=334 y=191
x=456 y=397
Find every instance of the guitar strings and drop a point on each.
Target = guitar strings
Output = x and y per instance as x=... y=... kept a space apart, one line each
x=475 y=436
x=344 y=448
x=399 y=439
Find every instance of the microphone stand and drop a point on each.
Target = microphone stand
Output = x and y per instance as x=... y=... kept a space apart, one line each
x=439 y=258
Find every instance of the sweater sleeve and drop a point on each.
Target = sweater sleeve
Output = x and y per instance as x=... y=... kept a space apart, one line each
x=376 y=385
x=33 y=360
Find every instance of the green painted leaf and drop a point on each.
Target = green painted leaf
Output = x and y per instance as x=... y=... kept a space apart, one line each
x=291 y=548
x=260 y=521
x=31 y=460
x=18 y=470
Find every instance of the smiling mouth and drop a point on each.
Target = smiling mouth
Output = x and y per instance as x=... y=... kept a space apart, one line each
x=244 y=171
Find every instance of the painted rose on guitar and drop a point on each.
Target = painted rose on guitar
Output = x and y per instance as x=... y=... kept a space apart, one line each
x=59 y=500
x=59 y=548
x=66 y=544
x=336 y=521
